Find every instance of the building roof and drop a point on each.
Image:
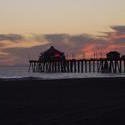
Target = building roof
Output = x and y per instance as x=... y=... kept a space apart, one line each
x=52 y=50
x=113 y=53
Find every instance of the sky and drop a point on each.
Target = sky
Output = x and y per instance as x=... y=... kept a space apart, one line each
x=28 y=27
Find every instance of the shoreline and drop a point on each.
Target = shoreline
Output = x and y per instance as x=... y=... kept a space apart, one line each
x=51 y=79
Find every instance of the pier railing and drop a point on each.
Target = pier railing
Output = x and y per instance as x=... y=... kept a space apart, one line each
x=79 y=66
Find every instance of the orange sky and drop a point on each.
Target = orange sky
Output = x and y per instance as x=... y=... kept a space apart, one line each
x=72 y=26
x=60 y=16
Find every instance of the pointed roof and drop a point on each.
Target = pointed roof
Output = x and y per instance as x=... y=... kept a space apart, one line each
x=52 y=50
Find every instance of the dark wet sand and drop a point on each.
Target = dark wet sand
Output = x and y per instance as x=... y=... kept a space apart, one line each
x=99 y=101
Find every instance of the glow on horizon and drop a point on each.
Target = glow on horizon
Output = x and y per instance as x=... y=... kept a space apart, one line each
x=60 y=16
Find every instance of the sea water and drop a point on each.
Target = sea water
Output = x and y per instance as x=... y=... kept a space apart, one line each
x=22 y=72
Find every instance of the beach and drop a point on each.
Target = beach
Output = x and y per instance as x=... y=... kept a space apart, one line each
x=84 y=101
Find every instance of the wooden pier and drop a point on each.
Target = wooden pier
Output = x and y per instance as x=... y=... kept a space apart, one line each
x=79 y=66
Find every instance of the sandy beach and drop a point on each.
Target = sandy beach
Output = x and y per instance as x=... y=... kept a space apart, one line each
x=62 y=102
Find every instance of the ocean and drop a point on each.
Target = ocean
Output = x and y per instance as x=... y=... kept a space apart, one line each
x=22 y=72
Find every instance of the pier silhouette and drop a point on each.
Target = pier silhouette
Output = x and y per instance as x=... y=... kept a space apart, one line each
x=53 y=61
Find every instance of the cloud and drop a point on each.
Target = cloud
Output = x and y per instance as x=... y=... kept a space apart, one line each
x=33 y=44
x=21 y=56
x=11 y=37
x=116 y=39
x=118 y=29
x=14 y=48
x=69 y=43
x=56 y=37
x=117 y=36
x=20 y=48
x=21 y=41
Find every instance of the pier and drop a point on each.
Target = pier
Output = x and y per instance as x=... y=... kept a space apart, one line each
x=54 y=61
x=79 y=66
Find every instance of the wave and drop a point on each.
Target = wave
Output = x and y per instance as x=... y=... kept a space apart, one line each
x=20 y=78
x=40 y=78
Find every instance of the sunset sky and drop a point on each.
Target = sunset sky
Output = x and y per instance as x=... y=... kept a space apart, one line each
x=28 y=27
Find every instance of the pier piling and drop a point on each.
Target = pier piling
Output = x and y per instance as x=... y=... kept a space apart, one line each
x=78 y=66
